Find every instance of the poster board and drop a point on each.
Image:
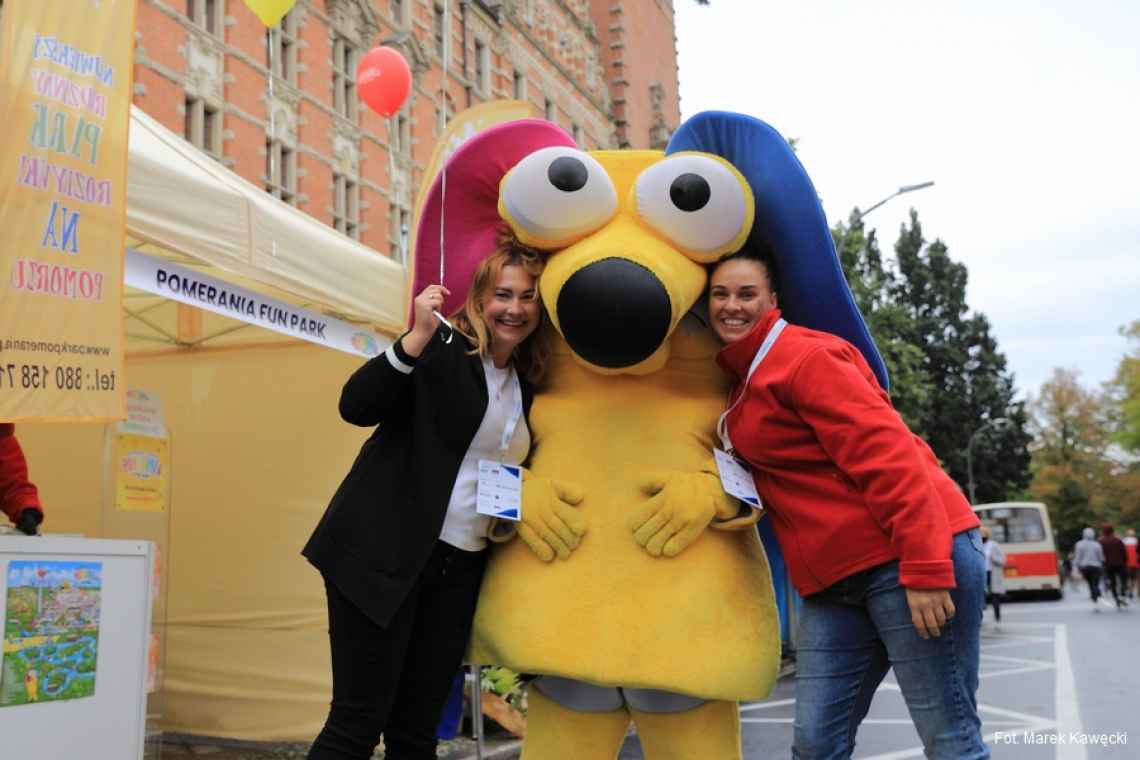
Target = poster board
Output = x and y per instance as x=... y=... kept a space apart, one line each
x=79 y=611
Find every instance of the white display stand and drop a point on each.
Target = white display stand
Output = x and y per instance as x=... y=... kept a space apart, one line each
x=109 y=724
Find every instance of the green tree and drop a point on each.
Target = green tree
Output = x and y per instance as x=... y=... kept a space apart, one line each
x=947 y=375
x=1072 y=471
x=1125 y=389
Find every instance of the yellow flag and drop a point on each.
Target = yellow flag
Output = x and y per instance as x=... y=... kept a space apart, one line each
x=65 y=95
x=270 y=11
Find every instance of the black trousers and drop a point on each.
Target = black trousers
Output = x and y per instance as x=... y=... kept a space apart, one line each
x=1117 y=576
x=395 y=680
x=1092 y=577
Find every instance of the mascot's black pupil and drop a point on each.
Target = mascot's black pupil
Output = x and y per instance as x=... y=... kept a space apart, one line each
x=568 y=174
x=690 y=192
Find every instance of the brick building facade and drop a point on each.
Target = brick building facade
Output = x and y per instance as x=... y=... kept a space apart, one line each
x=605 y=70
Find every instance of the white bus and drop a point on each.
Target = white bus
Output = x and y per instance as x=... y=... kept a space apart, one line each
x=1026 y=536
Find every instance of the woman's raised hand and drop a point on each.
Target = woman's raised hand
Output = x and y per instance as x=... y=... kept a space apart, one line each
x=429 y=300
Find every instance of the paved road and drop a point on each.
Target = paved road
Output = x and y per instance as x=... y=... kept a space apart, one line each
x=1058 y=671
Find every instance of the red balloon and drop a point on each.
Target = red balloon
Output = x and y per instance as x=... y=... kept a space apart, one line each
x=384 y=80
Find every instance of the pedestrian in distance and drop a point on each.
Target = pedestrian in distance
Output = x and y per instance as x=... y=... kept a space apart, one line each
x=879 y=541
x=1115 y=564
x=1131 y=546
x=401 y=546
x=995 y=573
x=1089 y=557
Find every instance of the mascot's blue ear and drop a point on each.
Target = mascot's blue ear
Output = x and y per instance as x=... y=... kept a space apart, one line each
x=789 y=221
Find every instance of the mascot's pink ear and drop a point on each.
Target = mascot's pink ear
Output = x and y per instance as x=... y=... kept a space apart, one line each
x=472 y=225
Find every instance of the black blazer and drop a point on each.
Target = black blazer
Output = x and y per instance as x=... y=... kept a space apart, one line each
x=382 y=524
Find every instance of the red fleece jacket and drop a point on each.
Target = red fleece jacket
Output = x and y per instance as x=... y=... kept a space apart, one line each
x=16 y=493
x=848 y=485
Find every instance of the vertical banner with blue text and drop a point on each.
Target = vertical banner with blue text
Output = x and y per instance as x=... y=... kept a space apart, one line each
x=65 y=96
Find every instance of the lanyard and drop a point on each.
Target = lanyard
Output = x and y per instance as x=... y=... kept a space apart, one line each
x=765 y=347
x=516 y=413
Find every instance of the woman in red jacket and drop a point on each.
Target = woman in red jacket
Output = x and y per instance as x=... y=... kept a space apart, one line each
x=878 y=540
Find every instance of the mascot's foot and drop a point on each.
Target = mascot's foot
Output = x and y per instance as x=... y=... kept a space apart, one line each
x=708 y=732
x=554 y=732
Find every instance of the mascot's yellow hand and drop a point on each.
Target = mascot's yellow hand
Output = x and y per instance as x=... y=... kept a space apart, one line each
x=550 y=525
x=681 y=506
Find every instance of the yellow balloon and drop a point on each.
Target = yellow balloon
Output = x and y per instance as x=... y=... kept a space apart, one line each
x=270 y=11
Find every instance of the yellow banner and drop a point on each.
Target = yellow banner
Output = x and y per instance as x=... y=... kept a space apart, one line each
x=65 y=94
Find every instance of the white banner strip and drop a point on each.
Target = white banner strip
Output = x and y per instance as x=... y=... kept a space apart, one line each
x=185 y=285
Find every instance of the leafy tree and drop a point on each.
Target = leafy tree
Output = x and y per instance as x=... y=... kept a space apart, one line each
x=1072 y=472
x=948 y=377
x=1125 y=388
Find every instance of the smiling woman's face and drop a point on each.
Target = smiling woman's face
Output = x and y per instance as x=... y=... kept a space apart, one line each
x=510 y=309
x=740 y=295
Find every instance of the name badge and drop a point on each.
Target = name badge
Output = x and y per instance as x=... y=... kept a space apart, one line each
x=736 y=478
x=499 y=493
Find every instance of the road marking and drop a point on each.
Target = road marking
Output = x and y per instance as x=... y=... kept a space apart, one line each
x=1018 y=660
x=765 y=705
x=1068 y=711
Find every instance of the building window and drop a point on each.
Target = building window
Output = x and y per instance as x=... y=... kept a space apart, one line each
x=346 y=212
x=520 y=86
x=344 y=78
x=437 y=28
x=399 y=229
x=203 y=126
x=403 y=136
x=208 y=14
x=482 y=67
x=549 y=109
x=281 y=171
x=576 y=131
x=398 y=8
x=283 y=49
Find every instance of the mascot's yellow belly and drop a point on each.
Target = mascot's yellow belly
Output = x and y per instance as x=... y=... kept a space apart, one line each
x=702 y=623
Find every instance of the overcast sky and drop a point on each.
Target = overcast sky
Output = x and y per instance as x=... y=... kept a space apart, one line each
x=1026 y=115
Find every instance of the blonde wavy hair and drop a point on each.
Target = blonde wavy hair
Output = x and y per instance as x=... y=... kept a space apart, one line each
x=532 y=356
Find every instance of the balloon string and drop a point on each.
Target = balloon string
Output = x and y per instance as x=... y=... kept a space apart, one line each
x=443 y=136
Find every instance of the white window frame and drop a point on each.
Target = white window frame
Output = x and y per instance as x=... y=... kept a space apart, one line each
x=403 y=135
x=576 y=132
x=199 y=12
x=399 y=11
x=519 y=85
x=550 y=110
x=438 y=28
x=399 y=231
x=283 y=42
x=346 y=205
x=482 y=67
x=281 y=171
x=202 y=126
x=345 y=58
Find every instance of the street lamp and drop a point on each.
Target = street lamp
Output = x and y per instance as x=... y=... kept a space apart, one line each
x=995 y=423
x=895 y=194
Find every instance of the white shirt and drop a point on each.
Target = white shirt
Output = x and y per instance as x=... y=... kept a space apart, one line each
x=463 y=527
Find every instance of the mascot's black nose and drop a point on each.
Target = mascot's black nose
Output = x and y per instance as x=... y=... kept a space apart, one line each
x=614 y=313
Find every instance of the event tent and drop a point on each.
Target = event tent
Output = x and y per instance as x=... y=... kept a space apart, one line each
x=257 y=447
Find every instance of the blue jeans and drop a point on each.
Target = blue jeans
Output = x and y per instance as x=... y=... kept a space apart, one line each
x=851 y=633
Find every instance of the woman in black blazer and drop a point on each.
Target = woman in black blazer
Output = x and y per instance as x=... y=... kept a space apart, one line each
x=401 y=547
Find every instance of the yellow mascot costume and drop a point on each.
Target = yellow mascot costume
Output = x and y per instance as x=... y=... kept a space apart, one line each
x=640 y=590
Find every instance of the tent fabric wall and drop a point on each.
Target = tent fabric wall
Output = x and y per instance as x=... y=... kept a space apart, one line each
x=257 y=449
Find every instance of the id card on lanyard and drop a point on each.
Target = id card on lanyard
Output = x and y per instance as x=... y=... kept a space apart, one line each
x=499 y=490
x=735 y=475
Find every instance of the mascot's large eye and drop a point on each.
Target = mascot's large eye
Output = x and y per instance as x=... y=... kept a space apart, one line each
x=556 y=196
x=699 y=202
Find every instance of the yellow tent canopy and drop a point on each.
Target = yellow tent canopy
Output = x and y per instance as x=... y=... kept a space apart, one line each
x=257 y=447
